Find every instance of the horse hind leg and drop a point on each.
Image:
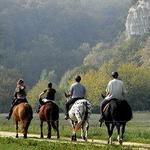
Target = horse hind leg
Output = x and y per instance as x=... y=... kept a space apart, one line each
x=49 y=130
x=118 y=130
x=122 y=133
x=110 y=129
x=41 y=126
x=74 y=137
x=84 y=131
x=26 y=126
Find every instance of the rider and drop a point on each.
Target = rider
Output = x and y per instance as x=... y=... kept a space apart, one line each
x=19 y=96
x=77 y=91
x=115 y=89
x=50 y=95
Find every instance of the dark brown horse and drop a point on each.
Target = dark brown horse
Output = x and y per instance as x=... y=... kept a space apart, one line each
x=116 y=114
x=22 y=113
x=49 y=113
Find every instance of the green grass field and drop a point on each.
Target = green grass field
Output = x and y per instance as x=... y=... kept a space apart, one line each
x=137 y=130
x=26 y=144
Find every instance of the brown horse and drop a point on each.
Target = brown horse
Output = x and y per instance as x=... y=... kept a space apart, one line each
x=49 y=113
x=22 y=113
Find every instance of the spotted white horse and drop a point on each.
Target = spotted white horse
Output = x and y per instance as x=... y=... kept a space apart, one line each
x=79 y=115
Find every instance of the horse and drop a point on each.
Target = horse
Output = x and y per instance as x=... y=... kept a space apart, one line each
x=116 y=114
x=79 y=116
x=49 y=113
x=22 y=113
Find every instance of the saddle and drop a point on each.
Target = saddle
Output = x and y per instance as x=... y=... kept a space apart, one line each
x=107 y=104
x=19 y=101
x=44 y=104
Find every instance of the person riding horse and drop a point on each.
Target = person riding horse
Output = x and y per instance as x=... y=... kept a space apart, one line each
x=19 y=96
x=77 y=91
x=115 y=90
x=50 y=95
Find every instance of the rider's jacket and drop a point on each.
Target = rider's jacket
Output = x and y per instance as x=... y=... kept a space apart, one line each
x=20 y=92
x=77 y=90
x=50 y=94
x=115 y=89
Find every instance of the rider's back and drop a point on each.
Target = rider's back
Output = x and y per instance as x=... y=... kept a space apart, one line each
x=115 y=89
x=77 y=90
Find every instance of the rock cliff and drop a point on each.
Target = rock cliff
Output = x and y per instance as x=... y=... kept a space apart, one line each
x=138 y=19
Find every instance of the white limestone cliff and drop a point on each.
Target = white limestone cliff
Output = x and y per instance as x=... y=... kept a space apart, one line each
x=138 y=19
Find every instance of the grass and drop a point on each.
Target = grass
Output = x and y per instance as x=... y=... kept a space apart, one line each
x=137 y=130
x=26 y=144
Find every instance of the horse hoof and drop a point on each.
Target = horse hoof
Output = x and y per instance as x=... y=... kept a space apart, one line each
x=58 y=137
x=120 y=141
x=48 y=137
x=17 y=136
x=73 y=138
x=84 y=138
x=25 y=136
x=42 y=136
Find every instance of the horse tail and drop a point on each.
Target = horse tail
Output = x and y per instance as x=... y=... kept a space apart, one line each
x=55 y=117
x=29 y=115
x=29 y=111
x=86 y=112
x=124 y=111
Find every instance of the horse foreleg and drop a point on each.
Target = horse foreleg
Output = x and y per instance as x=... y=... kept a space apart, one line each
x=49 y=130
x=16 y=129
x=41 y=126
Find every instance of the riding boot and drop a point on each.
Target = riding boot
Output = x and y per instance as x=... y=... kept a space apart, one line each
x=101 y=120
x=38 y=110
x=66 y=114
x=10 y=113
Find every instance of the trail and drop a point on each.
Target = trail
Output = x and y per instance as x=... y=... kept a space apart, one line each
x=96 y=142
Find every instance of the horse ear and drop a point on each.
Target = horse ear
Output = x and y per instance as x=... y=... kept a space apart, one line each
x=66 y=94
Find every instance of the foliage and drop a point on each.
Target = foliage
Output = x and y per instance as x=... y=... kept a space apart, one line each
x=56 y=35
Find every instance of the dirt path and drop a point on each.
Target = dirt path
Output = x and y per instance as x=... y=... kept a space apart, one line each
x=66 y=140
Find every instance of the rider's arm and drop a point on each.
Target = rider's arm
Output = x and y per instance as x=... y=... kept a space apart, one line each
x=108 y=88
x=71 y=91
x=42 y=93
x=124 y=92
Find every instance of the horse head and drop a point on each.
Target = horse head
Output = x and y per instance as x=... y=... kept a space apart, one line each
x=67 y=96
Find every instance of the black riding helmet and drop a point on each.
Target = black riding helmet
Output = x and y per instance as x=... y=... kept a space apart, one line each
x=20 y=81
x=50 y=85
x=115 y=74
x=78 y=78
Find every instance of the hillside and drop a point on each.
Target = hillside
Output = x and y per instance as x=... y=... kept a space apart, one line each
x=55 y=34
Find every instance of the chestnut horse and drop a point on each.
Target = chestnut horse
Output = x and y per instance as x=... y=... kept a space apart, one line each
x=49 y=113
x=22 y=113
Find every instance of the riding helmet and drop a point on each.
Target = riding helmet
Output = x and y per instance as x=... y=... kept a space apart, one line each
x=78 y=78
x=115 y=74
